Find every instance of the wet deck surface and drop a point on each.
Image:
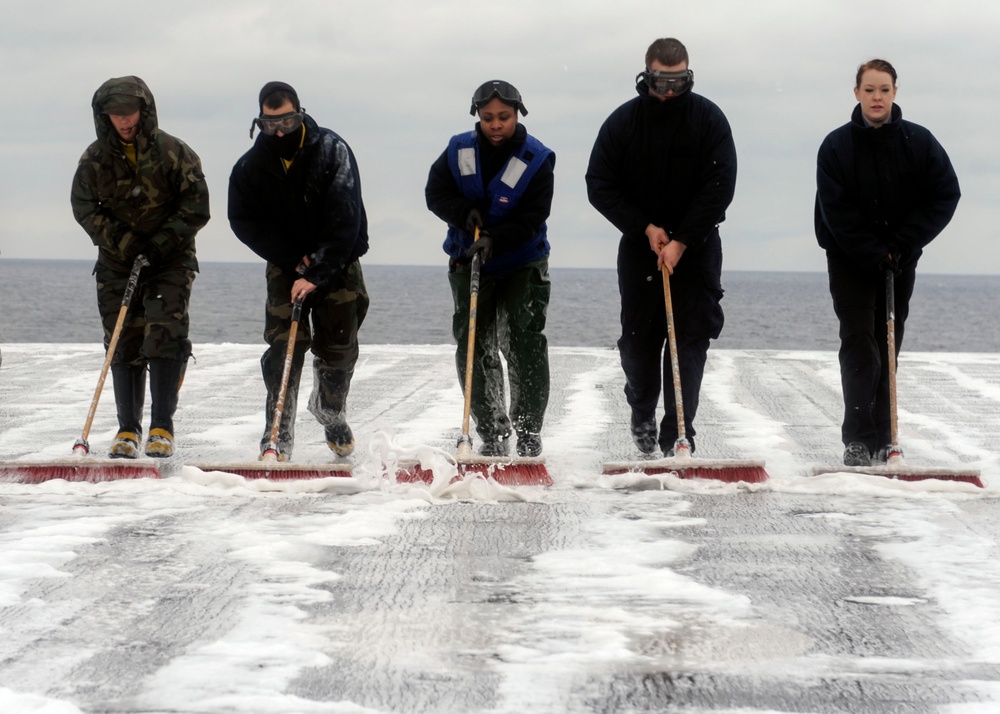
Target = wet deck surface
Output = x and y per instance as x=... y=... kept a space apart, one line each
x=828 y=594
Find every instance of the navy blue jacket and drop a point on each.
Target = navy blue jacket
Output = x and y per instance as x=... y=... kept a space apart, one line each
x=314 y=208
x=881 y=190
x=515 y=215
x=669 y=163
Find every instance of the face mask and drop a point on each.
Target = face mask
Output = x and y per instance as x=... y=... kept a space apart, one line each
x=286 y=145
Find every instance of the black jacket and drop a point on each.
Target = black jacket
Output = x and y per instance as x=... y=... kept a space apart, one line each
x=881 y=190
x=669 y=163
x=314 y=208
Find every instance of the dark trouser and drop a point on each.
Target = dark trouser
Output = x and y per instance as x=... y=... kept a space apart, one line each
x=859 y=302
x=155 y=332
x=696 y=292
x=329 y=326
x=510 y=318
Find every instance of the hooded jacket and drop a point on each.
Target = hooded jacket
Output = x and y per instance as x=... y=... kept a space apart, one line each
x=671 y=163
x=880 y=190
x=314 y=208
x=155 y=208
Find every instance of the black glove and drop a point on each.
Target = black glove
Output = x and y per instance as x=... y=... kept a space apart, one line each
x=890 y=262
x=160 y=248
x=474 y=220
x=483 y=246
x=128 y=246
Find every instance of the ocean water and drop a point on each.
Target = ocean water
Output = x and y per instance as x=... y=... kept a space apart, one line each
x=54 y=301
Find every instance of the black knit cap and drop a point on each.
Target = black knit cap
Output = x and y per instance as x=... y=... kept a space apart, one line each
x=272 y=87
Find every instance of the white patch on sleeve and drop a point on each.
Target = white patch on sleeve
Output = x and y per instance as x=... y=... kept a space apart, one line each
x=467 y=162
x=514 y=171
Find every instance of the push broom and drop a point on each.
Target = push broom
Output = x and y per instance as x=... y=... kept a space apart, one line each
x=506 y=470
x=81 y=467
x=682 y=462
x=894 y=466
x=270 y=464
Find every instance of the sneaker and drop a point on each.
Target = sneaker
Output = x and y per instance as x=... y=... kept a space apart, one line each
x=126 y=446
x=857 y=454
x=494 y=447
x=340 y=439
x=529 y=445
x=160 y=444
x=644 y=434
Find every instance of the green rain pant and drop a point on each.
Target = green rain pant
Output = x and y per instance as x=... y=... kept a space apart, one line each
x=510 y=320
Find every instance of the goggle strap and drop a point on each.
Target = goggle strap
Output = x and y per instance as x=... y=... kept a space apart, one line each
x=479 y=101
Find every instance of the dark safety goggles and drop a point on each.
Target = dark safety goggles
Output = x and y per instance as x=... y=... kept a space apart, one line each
x=271 y=124
x=662 y=82
x=504 y=91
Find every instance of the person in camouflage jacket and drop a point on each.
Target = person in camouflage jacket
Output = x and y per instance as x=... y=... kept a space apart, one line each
x=140 y=191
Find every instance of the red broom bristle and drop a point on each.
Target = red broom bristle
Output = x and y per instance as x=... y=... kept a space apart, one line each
x=78 y=473
x=960 y=478
x=282 y=472
x=727 y=474
x=514 y=474
x=902 y=472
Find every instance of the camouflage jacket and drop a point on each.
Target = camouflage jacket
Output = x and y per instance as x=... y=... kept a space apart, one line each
x=155 y=208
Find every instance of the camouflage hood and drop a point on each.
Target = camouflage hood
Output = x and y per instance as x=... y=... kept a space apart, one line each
x=122 y=87
x=153 y=200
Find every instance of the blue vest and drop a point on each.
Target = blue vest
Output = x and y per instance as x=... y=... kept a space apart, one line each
x=504 y=192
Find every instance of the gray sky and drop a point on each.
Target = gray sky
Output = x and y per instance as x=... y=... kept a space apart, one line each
x=394 y=78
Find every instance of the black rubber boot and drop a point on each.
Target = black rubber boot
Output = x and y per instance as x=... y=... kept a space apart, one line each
x=328 y=403
x=271 y=369
x=130 y=391
x=643 y=430
x=165 y=377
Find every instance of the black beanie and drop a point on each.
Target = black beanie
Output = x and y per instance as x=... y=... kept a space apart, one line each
x=272 y=87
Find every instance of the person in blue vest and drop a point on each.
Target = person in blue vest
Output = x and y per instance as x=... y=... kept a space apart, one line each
x=499 y=179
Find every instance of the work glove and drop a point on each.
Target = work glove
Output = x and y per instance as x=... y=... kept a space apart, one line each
x=474 y=220
x=890 y=262
x=483 y=246
x=160 y=248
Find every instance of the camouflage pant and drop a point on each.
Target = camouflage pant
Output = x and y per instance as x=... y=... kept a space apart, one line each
x=510 y=318
x=157 y=321
x=329 y=326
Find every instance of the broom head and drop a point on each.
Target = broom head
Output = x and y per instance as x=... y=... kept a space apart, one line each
x=78 y=469
x=686 y=466
x=504 y=470
x=897 y=469
x=279 y=470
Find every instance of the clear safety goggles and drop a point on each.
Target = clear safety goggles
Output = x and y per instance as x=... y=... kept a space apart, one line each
x=271 y=124
x=662 y=82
